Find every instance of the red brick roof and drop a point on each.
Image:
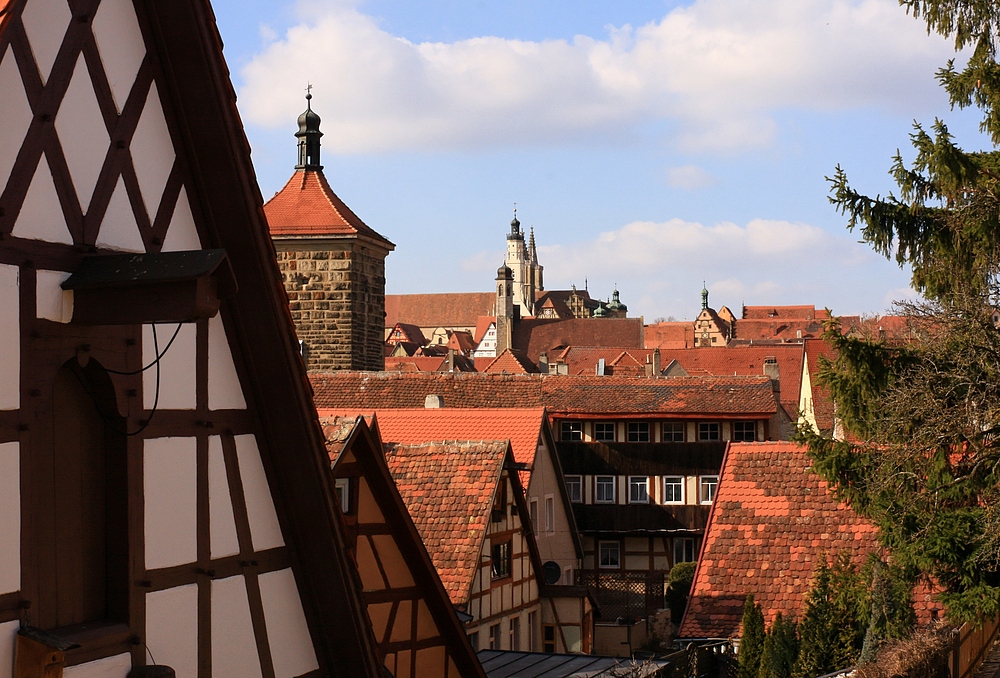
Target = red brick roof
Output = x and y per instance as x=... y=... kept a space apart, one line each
x=448 y=490
x=511 y=362
x=784 y=312
x=561 y=395
x=822 y=403
x=669 y=335
x=760 y=330
x=772 y=522
x=539 y=335
x=459 y=309
x=308 y=206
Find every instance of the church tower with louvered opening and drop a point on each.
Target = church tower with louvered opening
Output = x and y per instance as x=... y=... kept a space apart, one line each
x=332 y=264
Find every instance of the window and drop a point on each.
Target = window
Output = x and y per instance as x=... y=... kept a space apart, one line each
x=515 y=633
x=533 y=510
x=638 y=432
x=550 y=514
x=571 y=430
x=708 y=485
x=638 y=490
x=495 y=637
x=610 y=554
x=673 y=432
x=708 y=430
x=574 y=488
x=549 y=639
x=568 y=575
x=683 y=550
x=605 y=490
x=673 y=489
x=745 y=431
x=474 y=640
x=343 y=487
x=500 y=560
x=532 y=626
x=604 y=431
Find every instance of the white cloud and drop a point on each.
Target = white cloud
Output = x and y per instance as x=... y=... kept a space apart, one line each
x=689 y=177
x=719 y=69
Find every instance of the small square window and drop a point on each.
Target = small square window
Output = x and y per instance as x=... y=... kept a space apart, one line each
x=708 y=430
x=638 y=490
x=638 y=432
x=673 y=432
x=605 y=490
x=610 y=554
x=683 y=550
x=708 y=485
x=604 y=431
x=571 y=430
x=500 y=560
x=673 y=490
x=745 y=431
x=574 y=488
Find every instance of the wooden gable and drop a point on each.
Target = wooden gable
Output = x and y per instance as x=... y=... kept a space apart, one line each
x=176 y=470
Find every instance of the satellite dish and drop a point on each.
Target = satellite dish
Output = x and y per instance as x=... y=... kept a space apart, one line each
x=552 y=572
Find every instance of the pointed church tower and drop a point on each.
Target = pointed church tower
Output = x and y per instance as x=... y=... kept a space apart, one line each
x=332 y=264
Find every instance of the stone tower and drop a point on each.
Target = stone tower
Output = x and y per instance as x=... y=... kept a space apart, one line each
x=523 y=263
x=332 y=264
x=505 y=308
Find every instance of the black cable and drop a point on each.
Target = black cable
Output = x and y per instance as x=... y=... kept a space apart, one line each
x=158 y=354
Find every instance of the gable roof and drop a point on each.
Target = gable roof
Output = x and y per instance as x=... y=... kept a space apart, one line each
x=450 y=510
x=483 y=324
x=407 y=333
x=618 y=361
x=461 y=341
x=307 y=206
x=669 y=335
x=823 y=408
x=457 y=309
x=772 y=522
x=511 y=362
x=540 y=335
x=562 y=396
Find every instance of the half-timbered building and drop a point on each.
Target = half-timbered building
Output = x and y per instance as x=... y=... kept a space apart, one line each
x=163 y=476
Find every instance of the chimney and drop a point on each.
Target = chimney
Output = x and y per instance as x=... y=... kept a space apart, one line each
x=771 y=368
x=657 y=368
x=543 y=363
x=451 y=363
x=600 y=367
x=434 y=402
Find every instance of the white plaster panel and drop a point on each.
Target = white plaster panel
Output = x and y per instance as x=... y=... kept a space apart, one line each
x=119 y=40
x=152 y=151
x=119 y=230
x=110 y=667
x=41 y=216
x=220 y=503
x=182 y=235
x=52 y=302
x=264 y=528
x=10 y=339
x=172 y=629
x=178 y=372
x=8 y=635
x=45 y=22
x=170 y=489
x=234 y=649
x=287 y=631
x=82 y=133
x=10 y=509
x=15 y=113
x=224 y=390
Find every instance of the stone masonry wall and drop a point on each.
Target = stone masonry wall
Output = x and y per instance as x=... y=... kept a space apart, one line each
x=337 y=300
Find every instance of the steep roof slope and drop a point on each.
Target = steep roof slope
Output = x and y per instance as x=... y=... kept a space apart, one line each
x=459 y=309
x=538 y=335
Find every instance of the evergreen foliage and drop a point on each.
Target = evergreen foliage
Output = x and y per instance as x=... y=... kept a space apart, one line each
x=752 y=641
x=833 y=624
x=679 y=583
x=923 y=463
x=781 y=649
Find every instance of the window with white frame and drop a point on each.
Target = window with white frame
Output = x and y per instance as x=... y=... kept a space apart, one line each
x=638 y=490
x=638 y=432
x=745 y=431
x=604 y=431
x=574 y=488
x=673 y=489
x=673 y=431
x=709 y=430
x=550 y=514
x=343 y=488
x=683 y=550
x=571 y=430
x=604 y=490
x=610 y=554
x=708 y=485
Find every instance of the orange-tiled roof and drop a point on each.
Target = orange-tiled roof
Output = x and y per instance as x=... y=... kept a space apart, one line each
x=5 y=7
x=779 y=328
x=772 y=522
x=784 y=312
x=617 y=360
x=669 y=335
x=308 y=206
x=457 y=309
x=561 y=395
x=461 y=341
x=416 y=363
x=483 y=323
x=511 y=362
x=448 y=489
x=537 y=336
x=337 y=429
x=745 y=361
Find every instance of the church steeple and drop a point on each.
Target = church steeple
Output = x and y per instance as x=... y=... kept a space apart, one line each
x=308 y=136
x=532 y=254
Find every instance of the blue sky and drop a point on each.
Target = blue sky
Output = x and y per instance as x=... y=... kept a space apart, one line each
x=651 y=144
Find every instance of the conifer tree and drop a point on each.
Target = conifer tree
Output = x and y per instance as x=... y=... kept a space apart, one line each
x=752 y=641
x=831 y=632
x=923 y=462
x=781 y=649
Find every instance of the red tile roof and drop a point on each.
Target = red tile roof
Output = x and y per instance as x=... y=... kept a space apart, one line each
x=448 y=490
x=416 y=363
x=618 y=361
x=510 y=362
x=669 y=335
x=772 y=522
x=407 y=333
x=461 y=341
x=483 y=323
x=784 y=312
x=459 y=309
x=822 y=403
x=761 y=330
x=561 y=395
x=307 y=206
x=538 y=335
